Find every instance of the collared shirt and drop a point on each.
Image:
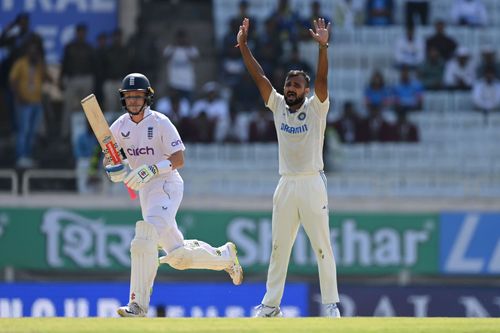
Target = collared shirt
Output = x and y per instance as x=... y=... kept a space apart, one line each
x=153 y=139
x=301 y=134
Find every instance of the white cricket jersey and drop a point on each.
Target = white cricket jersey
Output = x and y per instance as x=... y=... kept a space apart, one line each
x=153 y=139
x=300 y=134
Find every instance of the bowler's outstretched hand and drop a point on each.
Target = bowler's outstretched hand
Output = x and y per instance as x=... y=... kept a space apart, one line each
x=242 y=36
x=321 y=32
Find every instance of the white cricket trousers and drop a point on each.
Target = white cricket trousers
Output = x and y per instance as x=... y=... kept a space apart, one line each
x=302 y=200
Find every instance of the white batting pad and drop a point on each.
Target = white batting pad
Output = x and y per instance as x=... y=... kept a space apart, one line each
x=197 y=254
x=144 y=263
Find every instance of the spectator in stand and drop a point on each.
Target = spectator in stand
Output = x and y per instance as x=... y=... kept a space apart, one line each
x=403 y=129
x=287 y=21
x=441 y=41
x=374 y=128
x=316 y=12
x=216 y=109
x=205 y=128
x=409 y=51
x=278 y=76
x=348 y=14
x=232 y=68
x=471 y=13
x=295 y=62
x=26 y=77
x=268 y=47
x=85 y=150
x=144 y=51
x=177 y=109
x=460 y=72
x=408 y=93
x=377 y=93
x=237 y=131
x=416 y=8
x=347 y=125
x=236 y=21
x=100 y=67
x=180 y=58
x=245 y=97
x=431 y=71
x=379 y=12
x=488 y=60
x=486 y=92
x=77 y=75
x=117 y=63
x=261 y=128
x=13 y=40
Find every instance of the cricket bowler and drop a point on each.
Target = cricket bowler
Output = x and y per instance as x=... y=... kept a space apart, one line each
x=301 y=196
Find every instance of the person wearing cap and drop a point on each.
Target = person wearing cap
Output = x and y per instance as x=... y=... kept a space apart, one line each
x=486 y=92
x=488 y=61
x=214 y=108
x=460 y=71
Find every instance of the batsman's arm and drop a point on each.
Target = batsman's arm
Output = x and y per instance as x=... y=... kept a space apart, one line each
x=175 y=161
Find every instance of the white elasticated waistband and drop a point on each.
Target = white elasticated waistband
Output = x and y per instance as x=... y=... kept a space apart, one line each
x=304 y=174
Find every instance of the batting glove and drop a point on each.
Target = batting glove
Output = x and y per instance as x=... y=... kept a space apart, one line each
x=117 y=172
x=140 y=176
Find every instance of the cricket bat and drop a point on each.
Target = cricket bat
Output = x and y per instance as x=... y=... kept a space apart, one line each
x=102 y=132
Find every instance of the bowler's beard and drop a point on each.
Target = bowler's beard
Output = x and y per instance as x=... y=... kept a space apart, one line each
x=298 y=101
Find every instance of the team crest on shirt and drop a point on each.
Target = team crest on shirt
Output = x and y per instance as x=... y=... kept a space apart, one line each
x=302 y=116
x=125 y=135
x=150 y=133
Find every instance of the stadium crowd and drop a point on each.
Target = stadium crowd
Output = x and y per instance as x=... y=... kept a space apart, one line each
x=228 y=108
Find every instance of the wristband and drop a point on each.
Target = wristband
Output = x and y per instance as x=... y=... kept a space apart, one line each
x=164 y=166
x=323 y=46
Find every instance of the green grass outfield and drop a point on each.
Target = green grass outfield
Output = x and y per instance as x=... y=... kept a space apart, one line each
x=237 y=325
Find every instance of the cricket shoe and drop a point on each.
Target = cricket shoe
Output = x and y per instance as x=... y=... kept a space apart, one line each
x=131 y=310
x=235 y=271
x=332 y=310
x=268 y=311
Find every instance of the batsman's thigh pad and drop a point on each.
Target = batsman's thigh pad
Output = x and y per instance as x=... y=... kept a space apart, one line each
x=144 y=263
x=198 y=255
x=171 y=238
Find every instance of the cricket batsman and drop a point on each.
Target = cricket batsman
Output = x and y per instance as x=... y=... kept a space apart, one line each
x=155 y=152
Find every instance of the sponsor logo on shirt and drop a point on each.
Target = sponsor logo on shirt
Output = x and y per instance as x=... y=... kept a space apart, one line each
x=176 y=143
x=150 y=133
x=302 y=116
x=140 y=151
x=125 y=135
x=292 y=129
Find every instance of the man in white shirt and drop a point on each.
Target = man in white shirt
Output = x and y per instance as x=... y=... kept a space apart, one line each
x=486 y=92
x=180 y=58
x=216 y=109
x=471 y=13
x=155 y=152
x=301 y=195
x=460 y=71
x=409 y=49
